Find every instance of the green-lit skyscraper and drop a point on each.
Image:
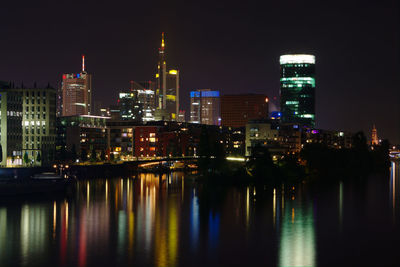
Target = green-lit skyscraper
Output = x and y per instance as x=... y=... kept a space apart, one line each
x=298 y=89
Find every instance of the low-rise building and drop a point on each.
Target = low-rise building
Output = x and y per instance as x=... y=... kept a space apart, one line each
x=260 y=132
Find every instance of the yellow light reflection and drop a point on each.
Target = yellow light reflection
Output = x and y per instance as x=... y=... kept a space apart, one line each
x=107 y=191
x=172 y=234
x=3 y=233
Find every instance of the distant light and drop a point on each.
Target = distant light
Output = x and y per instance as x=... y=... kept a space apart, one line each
x=266 y=100
x=236 y=159
x=173 y=72
x=297 y=58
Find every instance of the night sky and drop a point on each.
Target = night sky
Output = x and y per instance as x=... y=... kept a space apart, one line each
x=229 y=46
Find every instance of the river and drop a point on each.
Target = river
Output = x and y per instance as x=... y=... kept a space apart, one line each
x=172 y=221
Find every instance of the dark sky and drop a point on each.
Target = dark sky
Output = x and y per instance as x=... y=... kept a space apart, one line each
x=229 y=46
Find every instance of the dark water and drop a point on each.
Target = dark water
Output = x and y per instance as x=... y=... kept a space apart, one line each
x=173 y=222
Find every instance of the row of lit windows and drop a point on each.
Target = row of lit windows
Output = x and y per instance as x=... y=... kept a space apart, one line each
x=32 y=146
x=32 y=131
x=33 y=101
x=37 y=109
x=32 y=93
x=32 y=138
x=37 y=116
x=13 y=113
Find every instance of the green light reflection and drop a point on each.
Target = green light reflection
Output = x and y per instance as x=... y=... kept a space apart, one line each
x=297 y=237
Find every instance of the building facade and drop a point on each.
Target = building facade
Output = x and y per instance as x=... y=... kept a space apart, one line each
x=39 y=125
x=76 y=92
x=237 y=110
x=146 y=97
x=205 y=107
x=82 y=133
x=28 y=125
x=260 y=132
x=11 y=126
x=297 y=92
x=130 y=107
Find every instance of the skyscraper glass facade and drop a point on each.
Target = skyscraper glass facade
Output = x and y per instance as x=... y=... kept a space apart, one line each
x=298 y=89
x=205 y=107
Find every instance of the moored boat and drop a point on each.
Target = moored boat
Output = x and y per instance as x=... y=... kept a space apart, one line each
x=41 y=183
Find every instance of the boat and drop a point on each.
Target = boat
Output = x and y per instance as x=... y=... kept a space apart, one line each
x=41 y=183
x=47 y=176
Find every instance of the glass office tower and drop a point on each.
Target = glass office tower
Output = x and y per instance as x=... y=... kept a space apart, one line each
x=298 y=89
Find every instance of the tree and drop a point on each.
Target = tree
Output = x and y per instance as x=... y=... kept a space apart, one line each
x=83 y=155
x=26 y=157
x=74 y=155
x=93 y=156
x=261 y=165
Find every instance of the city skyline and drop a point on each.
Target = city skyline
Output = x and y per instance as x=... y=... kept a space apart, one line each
x=349 y=62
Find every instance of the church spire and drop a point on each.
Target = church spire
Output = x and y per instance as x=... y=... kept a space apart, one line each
x=374 y=136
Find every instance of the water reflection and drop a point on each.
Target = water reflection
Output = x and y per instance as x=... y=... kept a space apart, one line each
x=297 y=245
x=152 y=220
x=394 y=186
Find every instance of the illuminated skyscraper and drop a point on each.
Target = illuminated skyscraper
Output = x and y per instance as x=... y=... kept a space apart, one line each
x=146 y=98
x=129 y=106
x=298 y=89
x=205 y=107
x=77 y=93
x=167 y=88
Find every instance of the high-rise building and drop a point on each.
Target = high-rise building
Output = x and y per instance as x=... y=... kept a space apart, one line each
x=205 y=107
x=181 y=116
x=77 y=93
x=237 y=110
x=146 y=97
x=129 y=106
x=167 y=88
x=298 y=89
x=374 y=136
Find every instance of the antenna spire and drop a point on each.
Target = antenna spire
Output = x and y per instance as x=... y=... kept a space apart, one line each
x=162 y=41
x=83 y=63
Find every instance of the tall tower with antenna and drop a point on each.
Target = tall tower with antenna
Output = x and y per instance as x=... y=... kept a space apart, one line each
x=76 y=92
x=167 y=88
x=161 y=75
